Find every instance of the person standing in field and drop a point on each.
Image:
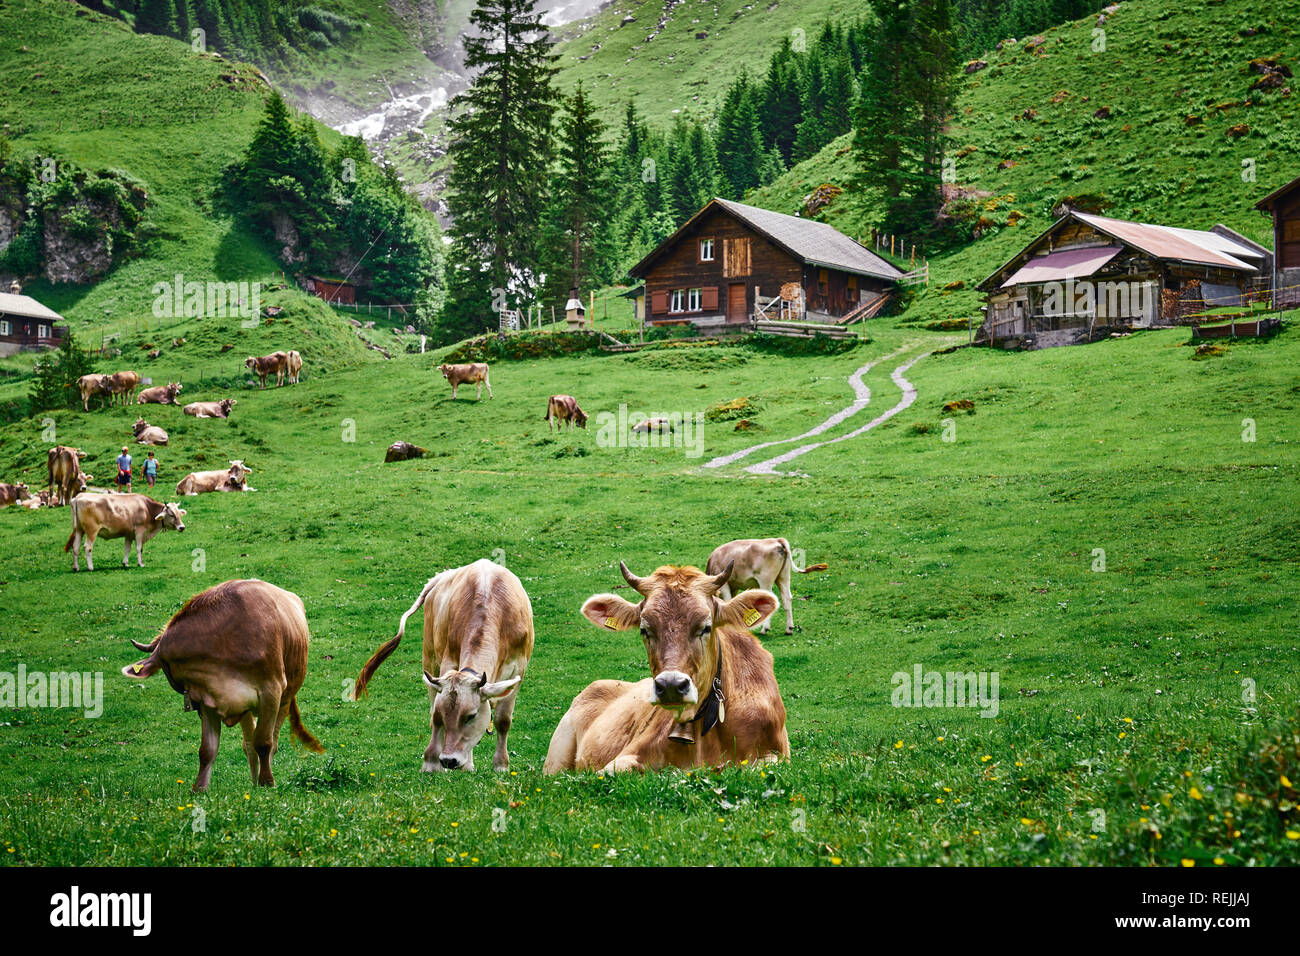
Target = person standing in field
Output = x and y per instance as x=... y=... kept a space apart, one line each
x=150 y=469
x=124 y=471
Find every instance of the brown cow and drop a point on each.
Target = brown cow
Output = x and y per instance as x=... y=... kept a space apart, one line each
x=41 y=500
x=293 y=366
x=63 y=469
x=264 y=365
x=403 y=451
x=219 y=409
x=92 y=385
x=130 y=516
x=159 y=394
x=122 y=384
x=11 y=494
x=478 y=636
x=758 y=563
x=234 y=478
x=656 y=425
x=146 y=434
x=713 y=699
x=472 y=373
x=564 y=409
x=238 y=654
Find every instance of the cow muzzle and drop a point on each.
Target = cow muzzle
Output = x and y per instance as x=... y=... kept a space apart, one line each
x=673 y=689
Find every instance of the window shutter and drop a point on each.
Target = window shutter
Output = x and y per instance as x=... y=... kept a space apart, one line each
x=709 y=298
x=659 y=302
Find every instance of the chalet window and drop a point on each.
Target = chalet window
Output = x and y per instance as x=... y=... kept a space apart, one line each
x=823 y=282
x=678 y=301
x=706 y=250
x=1291 y=231
x=853 y=288
x=693 y=299
x=44 y=332
x=5 y=327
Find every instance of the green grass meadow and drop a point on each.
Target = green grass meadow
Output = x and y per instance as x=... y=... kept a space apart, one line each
x=1123 y=734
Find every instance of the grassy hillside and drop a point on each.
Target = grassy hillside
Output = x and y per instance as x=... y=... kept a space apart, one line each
x=675 y=72
x=80 y=86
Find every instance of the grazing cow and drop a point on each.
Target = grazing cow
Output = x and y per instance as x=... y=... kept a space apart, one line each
x=234 y=478
x=92 y=385
x=129 y=516
x=564 y=409
x=122 y=384
x=478 y=637
x=237 y=652
x=219 y=409
x=757 y=563
x=403 y=451
x=63 y=469
x=146 y=434
x=293 y=366
x=12 y=494
x=159 y=394
x=264 y=365
x=713 y=699
x=657 y=425
x=472 y=373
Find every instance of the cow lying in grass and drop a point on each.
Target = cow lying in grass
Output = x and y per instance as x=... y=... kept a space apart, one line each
x=234 y=478
x=478 y=637
x=713 y=699
x=219 y=409
x=12 y=494
x=237 y=652
x=133 y=517
x=146 y=434
x=159 y=394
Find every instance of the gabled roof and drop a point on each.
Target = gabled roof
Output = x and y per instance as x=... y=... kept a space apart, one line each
x=27 y=307
x=813 y=243
x=1176 y=244
x=1266 y=204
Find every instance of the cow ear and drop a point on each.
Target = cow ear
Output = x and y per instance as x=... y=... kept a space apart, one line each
x=433 y=682
x=498 y=688
x=748 y=608
x=141 y=669
x=611 y=611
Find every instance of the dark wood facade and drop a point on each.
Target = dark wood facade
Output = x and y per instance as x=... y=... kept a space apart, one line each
x=711 y=272
x=1283 y=206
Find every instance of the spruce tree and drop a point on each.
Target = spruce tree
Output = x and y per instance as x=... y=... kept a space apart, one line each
x=583 y=196
x=738 y=141
x=500 y=152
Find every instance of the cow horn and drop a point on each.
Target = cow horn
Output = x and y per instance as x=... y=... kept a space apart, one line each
x=718 y=580
x=633 y=581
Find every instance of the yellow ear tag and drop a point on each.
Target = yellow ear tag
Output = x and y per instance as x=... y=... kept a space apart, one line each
x=611 y=624
x=751 y=616
x=137 y=668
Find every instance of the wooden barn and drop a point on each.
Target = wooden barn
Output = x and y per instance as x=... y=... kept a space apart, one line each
x=26 y=324
x=1283 y=205
x=730 y=262
x=1088 y=275
x=335 y=291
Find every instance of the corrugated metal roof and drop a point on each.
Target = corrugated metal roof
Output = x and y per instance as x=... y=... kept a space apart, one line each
x=816 y=243
x=1065 y=264
x=26 y=306
x=1166 y=242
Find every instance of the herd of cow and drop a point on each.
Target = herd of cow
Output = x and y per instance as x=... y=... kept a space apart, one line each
x=237 y=653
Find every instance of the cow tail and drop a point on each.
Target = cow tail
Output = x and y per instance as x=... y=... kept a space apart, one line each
x=387 y=648
x=68 y=547
x=301 y=732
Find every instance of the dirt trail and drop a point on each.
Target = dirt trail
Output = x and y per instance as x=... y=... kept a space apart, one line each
x=862 y=397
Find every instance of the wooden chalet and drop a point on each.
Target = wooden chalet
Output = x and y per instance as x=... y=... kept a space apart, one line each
x=26 y=324
x=1088 y=275
x=731 y=263
x=1283 y=205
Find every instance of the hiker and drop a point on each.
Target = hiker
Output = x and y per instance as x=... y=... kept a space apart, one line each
x=150 y=469
x=124 y=471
